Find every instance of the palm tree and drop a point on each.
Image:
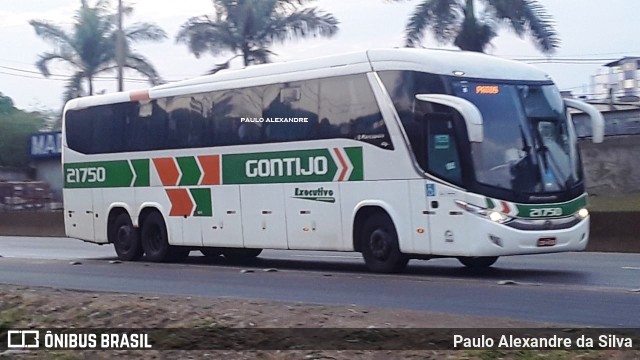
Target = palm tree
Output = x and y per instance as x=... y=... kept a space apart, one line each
x=248 y=28
x=90 y=48
x=458 y=21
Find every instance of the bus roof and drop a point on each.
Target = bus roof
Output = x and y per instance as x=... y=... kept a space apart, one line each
x=444 y=62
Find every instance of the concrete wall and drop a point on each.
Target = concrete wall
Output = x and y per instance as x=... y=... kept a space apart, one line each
x=24 y=223
x=613 y=166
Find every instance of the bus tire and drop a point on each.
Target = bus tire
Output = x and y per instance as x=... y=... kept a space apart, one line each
x=237 y=254
x=379 y=244
x=478 y=262
x=125 y=239
x=211 y=252
x=154 y=238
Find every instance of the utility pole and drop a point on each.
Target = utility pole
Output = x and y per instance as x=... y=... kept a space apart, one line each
x=120 y=49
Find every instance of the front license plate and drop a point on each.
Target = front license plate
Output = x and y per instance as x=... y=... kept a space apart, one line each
x=546 y=241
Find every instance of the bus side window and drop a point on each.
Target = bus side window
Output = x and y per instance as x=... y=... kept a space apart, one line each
x=442 y=154
x=295 y=100
x=348 y=109
x=79 y=130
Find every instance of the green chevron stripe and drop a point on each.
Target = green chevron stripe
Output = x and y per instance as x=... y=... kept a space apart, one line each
x=355 y=156
x=203 y=201
x=141 y=168
x=190 y=171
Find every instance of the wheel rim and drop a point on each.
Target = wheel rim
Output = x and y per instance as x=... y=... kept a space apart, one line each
x=380 y=244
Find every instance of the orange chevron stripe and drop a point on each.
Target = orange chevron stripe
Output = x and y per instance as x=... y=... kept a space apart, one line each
x=211 y=167
x=181 y=204
x=167 y=170
x=505 y=207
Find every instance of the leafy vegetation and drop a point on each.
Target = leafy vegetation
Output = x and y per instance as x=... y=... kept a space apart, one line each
x=472 y=27
x=15 y=128
x=248 y=28
x=90 y=48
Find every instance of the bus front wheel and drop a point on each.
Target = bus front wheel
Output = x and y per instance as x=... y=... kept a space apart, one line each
x=379 y=245
x=125 y=239
x=478 y=262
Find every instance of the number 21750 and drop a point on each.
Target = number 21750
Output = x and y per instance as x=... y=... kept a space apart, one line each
x=86 y=175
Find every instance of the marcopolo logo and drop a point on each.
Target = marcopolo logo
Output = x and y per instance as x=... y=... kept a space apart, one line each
x=320 y=194
x=318 y=165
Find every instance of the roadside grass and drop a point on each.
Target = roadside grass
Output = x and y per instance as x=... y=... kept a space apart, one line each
x=10 y=316
x=628 y=202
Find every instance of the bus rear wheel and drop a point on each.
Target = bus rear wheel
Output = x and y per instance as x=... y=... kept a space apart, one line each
x=125 y=239
x=478 y=262
x=154 y=238
x=379 y=244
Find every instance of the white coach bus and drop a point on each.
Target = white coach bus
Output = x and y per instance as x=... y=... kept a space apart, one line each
x=398 y=154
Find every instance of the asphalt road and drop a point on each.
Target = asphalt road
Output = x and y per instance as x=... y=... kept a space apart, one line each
x=592 y=289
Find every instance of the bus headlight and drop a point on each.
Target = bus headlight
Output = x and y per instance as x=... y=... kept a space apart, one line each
x=498 y=217
x=492 y=215
x=582 y=213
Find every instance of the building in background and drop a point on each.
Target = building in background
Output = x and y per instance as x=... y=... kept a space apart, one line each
x=45 y=150
x=617 y=81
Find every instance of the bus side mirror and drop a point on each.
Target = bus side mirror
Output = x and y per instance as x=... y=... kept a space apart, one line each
x=470 y=113
x=597 y=121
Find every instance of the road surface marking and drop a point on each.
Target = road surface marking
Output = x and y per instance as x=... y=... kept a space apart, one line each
x=631 y=268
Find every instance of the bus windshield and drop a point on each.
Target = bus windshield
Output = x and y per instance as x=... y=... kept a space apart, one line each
x=529 y=144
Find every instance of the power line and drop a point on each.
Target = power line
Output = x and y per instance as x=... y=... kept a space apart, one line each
x=53 y=76
x=29 y=77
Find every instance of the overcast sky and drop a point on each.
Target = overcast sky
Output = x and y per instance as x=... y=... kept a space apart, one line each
x=589 y=29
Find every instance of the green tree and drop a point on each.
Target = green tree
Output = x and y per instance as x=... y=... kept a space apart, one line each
x=15 y=128
x=6 y=105
x=90 y=48
x=248 y=28
x=472 y=28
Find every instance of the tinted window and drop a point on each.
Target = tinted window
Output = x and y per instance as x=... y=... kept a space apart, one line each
x=349 y=109
x=340 y=107
x=403 y=86
x=442 y=152
x=292 y=100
